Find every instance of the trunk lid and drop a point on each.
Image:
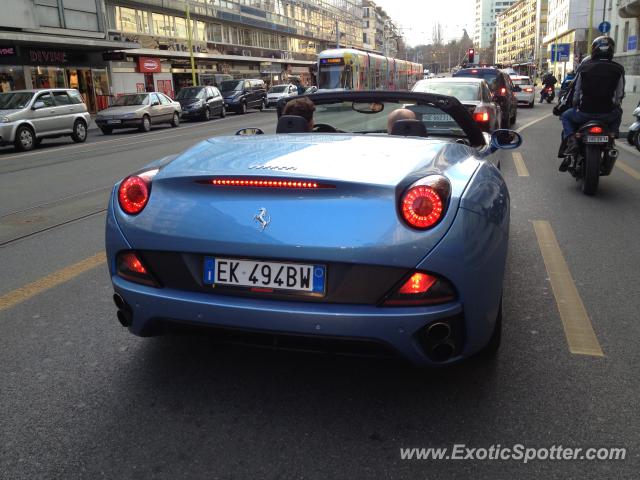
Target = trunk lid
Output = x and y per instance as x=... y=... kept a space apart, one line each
x=356 y=220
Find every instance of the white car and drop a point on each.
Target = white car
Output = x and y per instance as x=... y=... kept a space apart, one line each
x=525 y=90
x=277 y=92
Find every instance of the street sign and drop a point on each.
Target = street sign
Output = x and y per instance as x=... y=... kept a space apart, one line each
x=563 y=49
x=604 y=27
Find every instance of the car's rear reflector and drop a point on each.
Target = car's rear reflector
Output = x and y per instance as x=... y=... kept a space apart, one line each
x=420 y=288
x=131 y=267
x=265 y=183
x=481 y=116
x=418 y=283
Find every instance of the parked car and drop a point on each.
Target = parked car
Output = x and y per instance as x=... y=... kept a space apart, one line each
x=473 y=93
x=240 y=95
x=525 y=90
x=201 y=102
x=311 y=89
x=29 y=116
x=501 y=88
x=139 y=110
x=350 y=238
x=277 y=92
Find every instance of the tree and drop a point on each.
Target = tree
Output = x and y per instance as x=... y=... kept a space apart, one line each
x=436 y=36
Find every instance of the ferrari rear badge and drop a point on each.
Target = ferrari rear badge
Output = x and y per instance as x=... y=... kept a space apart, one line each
x=263 y=218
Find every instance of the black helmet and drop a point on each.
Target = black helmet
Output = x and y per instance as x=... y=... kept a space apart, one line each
x=603 y=47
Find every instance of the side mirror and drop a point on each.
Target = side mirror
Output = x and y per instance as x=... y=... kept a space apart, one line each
x=250 y=131
x=505 y=139
x=37 y=105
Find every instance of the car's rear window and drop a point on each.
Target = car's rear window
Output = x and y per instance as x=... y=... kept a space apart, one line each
x=521 y=81
x=462 y=91
x=489 y=76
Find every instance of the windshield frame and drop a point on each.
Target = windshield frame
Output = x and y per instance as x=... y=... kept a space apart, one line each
x=448 y=105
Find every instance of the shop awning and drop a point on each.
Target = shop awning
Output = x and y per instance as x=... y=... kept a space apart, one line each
x=151 y=52
x=81 y=43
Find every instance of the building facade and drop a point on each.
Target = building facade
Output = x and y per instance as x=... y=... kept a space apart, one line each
x=271 y=39
x=379 y=31
x=568 y=27
x=519 y=33
x=624 y=16
x=56 y=43
x=486 y=12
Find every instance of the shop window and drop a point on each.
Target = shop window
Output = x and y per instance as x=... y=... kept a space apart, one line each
x=48 y=77
x=11 y=78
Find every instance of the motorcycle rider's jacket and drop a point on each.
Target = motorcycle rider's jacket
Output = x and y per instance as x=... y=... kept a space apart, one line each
x=599 y=86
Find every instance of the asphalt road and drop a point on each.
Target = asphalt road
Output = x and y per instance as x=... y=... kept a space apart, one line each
x=82 y=398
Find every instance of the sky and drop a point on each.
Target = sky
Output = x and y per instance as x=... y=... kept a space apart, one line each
x=417 y=17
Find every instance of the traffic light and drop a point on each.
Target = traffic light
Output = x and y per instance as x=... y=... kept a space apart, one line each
x=471 y=53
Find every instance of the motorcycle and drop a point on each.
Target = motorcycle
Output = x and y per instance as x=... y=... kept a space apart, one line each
x=633 y=137
x=548 y=94
x=596 y=158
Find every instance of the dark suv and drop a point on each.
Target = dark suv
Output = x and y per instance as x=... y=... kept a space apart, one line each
x=239 y=95
x=201 y=102
x=502 y=89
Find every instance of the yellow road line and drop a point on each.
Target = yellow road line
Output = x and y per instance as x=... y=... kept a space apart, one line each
x=32 y=289
x=628 y=170
x=581 y=338
x=521 y=168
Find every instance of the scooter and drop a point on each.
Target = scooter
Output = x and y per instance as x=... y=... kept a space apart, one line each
x=633 y=137
x=548 y=94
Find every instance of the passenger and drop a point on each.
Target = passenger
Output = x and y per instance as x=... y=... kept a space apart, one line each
x=302 y=107
x=399 y=114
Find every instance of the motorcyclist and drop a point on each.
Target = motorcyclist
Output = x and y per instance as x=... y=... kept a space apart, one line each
x=548 y=80
x=597 y=92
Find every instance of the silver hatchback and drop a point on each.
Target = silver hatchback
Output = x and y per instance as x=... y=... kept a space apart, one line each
x=28 y=116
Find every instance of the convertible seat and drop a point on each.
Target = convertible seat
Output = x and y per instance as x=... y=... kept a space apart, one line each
x=292 y=124
x=409 y=128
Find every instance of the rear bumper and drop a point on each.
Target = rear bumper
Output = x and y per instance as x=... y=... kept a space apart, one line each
x=526 y=98
x=397 y=328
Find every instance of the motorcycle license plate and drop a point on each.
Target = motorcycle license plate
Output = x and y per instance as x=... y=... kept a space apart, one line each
x=597 y=139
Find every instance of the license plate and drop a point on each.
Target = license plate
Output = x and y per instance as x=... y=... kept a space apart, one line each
x=598 y=139
x=114 y=122
x=267 y=276
x=435 y=117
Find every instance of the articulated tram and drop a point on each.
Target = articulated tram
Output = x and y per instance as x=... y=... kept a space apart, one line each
x=349 y=69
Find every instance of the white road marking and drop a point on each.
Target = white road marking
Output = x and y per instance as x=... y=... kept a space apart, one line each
x=533 y=122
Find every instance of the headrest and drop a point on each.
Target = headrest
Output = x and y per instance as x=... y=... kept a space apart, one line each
x=292 y=124
x=409 y=128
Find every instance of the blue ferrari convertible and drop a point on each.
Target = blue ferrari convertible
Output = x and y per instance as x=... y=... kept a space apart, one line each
x=357 y=235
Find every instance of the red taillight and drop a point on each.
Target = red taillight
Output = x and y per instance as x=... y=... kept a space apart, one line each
x=528 y=89
x=417 y=283
x=420 y=288
x=134 y=191
x=422 y=206
x=130 y=266
x=595 y=130
x=481 y=116
x=503 y=91
x=265 y=183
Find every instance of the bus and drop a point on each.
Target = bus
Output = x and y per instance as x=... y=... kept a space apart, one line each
x=350 y=69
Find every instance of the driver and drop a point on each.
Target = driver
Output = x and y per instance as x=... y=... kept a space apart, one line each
x=598 y=90
x=399 y=114
x=302 y=107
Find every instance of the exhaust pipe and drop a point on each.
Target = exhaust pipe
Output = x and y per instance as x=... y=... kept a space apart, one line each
x=125 y=315
x=613 y=153
x=442 y=351
x=438 y=331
